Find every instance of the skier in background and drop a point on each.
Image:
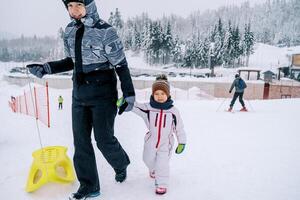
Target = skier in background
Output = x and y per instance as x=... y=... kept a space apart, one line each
x=239 y=85
x=14 y=103
x=60 y=102
x=95 y=53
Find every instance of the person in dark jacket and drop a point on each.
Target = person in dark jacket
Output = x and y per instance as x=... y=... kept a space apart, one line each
x=239 y=92
x=95 y=54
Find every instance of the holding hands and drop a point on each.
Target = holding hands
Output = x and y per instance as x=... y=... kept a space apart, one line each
x=125 y=104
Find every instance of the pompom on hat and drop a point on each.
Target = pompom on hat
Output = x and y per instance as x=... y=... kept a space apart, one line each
x=161 y=83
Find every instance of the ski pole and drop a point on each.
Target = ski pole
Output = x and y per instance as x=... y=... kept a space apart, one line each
x=33 y=101
x=36 y=119
x=221 y=104
x=251 y=106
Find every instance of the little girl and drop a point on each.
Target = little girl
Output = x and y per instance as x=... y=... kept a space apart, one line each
x=162 y=119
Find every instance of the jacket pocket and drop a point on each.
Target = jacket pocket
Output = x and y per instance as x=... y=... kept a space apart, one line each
x=95 y=51
x=170 y=143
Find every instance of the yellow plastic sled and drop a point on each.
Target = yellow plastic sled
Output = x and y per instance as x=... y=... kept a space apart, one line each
x=50 y=164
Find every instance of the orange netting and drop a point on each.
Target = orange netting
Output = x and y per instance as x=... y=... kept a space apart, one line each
x=35 y=105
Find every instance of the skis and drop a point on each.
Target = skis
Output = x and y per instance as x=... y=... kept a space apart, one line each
x=234 y=111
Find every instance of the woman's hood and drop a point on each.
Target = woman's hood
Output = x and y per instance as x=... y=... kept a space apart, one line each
x=92 y=15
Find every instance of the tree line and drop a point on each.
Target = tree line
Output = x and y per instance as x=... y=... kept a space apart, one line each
x=26 y=49
x=204 y=39
x=223 y=45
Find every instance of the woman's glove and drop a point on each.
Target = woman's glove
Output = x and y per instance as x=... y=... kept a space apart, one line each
x=39 y=70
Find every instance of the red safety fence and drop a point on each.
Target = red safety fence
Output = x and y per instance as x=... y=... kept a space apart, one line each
x=35 y=104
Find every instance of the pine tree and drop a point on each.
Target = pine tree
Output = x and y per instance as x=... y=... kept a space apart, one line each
x=155 y=42
x=4 y=55
x=136 y=39
x=195 y=52
x=145 y=45
x=204 y=52
x=128 y=38
x=111 y=19
x=118 y=20
x=115 y=20
x=187 y=58
x=248 y=42
x=237 y=52
x=177 y=51
x=192 y=57
x=228 y=56
x=217 y=44
x=128 y=34
x=167 y=44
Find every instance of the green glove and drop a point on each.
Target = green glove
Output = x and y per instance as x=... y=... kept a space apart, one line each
x=180 y=148
x=120 y=102
x=125 y=104
x=122 y=105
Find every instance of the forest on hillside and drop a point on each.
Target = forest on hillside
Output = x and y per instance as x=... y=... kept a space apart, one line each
x=225 y=36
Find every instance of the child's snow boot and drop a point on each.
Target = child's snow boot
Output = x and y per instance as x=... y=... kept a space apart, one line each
x=160 y=190
x=229 y=109
x=244 y=109
x=120 y=175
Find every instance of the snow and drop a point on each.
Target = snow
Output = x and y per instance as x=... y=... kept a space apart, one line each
x=268 y=57
x=229 y=156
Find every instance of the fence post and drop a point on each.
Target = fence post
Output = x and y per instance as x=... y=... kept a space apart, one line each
x=25 y=103
x=20 y=105
x=36 y=107
x=17 y=104
x=48 y=110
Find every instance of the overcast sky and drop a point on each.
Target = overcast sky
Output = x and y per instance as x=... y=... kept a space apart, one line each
x=44 y=17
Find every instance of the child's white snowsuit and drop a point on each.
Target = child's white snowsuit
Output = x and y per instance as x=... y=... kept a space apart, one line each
x=159 y=140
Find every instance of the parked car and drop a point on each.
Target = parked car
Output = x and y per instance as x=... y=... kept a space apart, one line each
x=183 y=74
x=172 y=74
x=18 y=70
x=199 y=75
x=144 y=74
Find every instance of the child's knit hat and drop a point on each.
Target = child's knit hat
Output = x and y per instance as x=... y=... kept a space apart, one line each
x=161 y=83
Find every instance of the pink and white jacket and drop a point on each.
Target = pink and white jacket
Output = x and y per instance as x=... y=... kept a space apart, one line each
x=162 y=125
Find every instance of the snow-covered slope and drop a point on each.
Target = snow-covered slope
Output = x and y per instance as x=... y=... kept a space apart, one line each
x=229 y=156
x=268 y=57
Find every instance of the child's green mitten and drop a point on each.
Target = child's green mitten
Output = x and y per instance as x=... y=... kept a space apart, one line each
x=180 y=148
